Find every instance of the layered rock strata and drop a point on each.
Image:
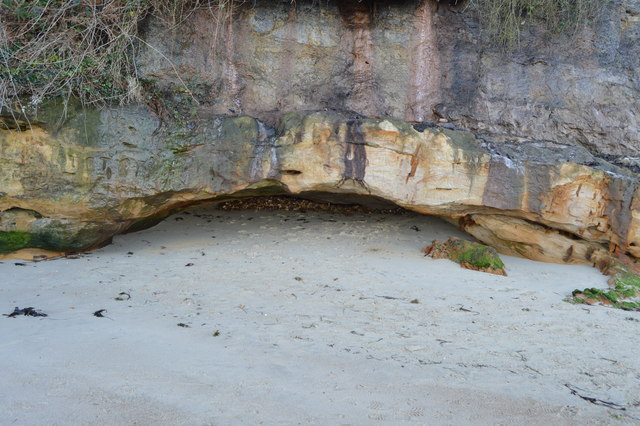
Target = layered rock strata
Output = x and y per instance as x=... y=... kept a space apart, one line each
x=70 y=187
x=413 y=60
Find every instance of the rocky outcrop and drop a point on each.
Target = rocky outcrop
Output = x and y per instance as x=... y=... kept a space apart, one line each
x=71 y=187
x=412 y=60
x=468 y=254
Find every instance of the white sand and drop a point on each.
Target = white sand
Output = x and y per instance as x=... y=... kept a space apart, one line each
x=343 y=345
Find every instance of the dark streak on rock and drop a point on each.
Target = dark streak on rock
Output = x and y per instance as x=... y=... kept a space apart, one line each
x=357 y=17
x=355 y=155
x=568 y=254
x=264 y=147
x=538 y=185
x=415 y=161
x=621 y=192
x=505 y=185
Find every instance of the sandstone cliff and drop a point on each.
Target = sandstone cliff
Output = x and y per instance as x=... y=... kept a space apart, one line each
x=413 y=60
x=107 y=172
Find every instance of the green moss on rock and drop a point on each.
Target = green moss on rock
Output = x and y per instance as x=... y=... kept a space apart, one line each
x=14 y=240
x=479 y=256
x=627 y=280
x=624 y=291
x=55 y=236
x=468 y=254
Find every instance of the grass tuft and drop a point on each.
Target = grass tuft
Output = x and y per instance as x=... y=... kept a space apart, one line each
x=503 y=20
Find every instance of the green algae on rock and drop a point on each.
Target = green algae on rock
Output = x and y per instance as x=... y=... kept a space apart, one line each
x=623 y=292
x=468 y=254
x=14 y=241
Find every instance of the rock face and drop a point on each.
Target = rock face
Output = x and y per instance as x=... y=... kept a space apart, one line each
x=412 y=60
x=73 y=187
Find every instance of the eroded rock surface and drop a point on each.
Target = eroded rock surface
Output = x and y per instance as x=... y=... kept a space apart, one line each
x=413 y=60
x=72 y=186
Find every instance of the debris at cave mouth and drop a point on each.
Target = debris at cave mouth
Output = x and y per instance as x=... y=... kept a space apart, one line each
x=300 y=204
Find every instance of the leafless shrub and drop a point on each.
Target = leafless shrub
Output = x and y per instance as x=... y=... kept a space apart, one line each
x=503 y=20
x=84 y=49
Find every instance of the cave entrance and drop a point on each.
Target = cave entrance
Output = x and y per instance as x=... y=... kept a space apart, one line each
x=326 y=233
x=309 y=245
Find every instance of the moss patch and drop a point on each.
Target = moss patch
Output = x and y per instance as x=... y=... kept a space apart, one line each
x=623 y=293
x=57 y=237
x=14 y=240
x=468 y=254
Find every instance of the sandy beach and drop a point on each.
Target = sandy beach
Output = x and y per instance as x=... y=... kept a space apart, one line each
x=290 y=317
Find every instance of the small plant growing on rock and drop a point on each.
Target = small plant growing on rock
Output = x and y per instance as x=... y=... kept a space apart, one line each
x=504 y=20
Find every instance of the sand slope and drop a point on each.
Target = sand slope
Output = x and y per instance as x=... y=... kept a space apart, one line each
x=316 y=326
